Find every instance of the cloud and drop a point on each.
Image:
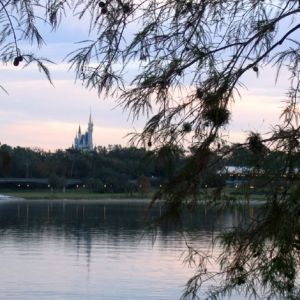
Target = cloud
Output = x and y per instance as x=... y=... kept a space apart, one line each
x=35 y=113
x=38 y=114
x=260 y=105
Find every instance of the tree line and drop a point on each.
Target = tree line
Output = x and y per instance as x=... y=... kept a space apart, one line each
x=111 y=169
x=127 y=169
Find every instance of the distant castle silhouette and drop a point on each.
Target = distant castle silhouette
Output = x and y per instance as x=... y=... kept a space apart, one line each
x=84 y=141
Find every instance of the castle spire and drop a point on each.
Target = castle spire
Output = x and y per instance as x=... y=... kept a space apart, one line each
x=85 y=141
x=90 y=132
x=90 y=119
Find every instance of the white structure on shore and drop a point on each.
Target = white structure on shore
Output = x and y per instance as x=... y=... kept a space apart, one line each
x=84 y=141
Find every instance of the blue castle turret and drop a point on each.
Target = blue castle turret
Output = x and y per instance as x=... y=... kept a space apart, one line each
x=84 y=141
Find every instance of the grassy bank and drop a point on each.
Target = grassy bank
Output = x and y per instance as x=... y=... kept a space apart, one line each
x=84 y=194
x=69 y=194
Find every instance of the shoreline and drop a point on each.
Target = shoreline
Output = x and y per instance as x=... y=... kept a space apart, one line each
x=66 y=197
x=104 y=199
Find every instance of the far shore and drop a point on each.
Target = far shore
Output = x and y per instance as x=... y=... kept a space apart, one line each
x=84 y=195
x=36 y=195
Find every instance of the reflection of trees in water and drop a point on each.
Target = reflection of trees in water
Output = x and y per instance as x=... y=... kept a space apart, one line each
x=199 y=230
x=116 y=222
x=64 y=218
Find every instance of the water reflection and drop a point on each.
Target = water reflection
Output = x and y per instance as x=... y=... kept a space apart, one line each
x=93 y=250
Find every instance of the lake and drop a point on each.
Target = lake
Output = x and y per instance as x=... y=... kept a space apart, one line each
x=94 y=250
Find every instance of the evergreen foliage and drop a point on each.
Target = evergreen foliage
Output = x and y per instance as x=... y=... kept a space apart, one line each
x=114 y=166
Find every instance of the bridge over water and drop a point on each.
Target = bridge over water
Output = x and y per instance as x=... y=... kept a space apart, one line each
x=37 y=180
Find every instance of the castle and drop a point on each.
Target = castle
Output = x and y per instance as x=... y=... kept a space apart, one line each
x=84 y=141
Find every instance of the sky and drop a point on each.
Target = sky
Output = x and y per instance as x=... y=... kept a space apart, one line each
x=38 y=114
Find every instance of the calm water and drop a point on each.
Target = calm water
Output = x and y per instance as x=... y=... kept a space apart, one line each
x=93 y=250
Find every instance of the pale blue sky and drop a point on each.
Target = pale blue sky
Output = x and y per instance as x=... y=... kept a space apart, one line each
x=37 y=114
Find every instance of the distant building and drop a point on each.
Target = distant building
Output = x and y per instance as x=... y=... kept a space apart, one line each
x=84 y=141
